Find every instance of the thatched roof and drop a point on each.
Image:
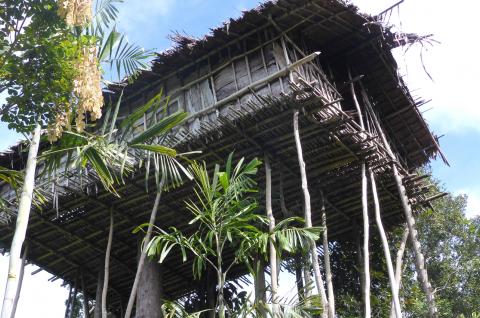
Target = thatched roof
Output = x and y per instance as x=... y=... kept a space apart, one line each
x=72 y=238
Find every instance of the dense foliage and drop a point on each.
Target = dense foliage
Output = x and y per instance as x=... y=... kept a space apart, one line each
x=451 y=243
x=38 y=53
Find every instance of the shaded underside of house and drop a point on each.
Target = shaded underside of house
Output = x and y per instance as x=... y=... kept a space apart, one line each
x=69 y=236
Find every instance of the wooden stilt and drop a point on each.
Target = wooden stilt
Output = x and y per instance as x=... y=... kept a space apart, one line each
x=326 y=257
x=271 y=226
x=107 y=267
x=20 y=281
x=85 y=297
x=398 y=266
x=386 y=248
x=419 y=259
x=366 y=236
x=308 y=216
x=366 y=259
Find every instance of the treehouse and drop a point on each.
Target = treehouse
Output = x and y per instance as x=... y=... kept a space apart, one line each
x=241 y=85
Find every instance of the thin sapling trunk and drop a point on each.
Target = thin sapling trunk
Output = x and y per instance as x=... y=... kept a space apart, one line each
x=107 y=267
x=23 y=215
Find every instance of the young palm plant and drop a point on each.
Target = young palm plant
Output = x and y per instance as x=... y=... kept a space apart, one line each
x=224 y=213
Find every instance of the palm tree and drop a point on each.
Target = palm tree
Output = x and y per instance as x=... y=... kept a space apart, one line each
x=115 y=50
x=224 y=212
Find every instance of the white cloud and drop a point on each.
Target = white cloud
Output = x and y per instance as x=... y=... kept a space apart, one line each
x=453 y=64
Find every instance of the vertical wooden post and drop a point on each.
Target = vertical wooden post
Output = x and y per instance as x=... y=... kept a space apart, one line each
x=419 y=259
x=107 y=267
x=308 y=215
x=366 y=258
x=85 y=297
x=20 y=281
x=386 y=248
x=398 y=266
x=271 y=226
x=366 y=235
x=326 y=256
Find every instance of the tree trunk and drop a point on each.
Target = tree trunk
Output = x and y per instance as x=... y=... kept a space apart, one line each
x=271 y=226
x=143 y=254
x=398 y=266
x=23 y=215
x=366 y=234
x=386 y=248
x=85 y=298
x=299 y=278
x=259 y=284
x=150 y=291
x=107 y=267
x=308 y=215
x=419 y=259
x=307 y=276
x=211 y=291
x=97 y=311
x=326 y=255
x=20 y=281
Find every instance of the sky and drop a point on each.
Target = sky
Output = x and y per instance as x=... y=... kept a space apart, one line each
x=453 y=112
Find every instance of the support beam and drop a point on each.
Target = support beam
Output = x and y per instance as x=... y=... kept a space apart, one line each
x=271 y=227
x=386 y=248
x=419 y=258
x=308 y=216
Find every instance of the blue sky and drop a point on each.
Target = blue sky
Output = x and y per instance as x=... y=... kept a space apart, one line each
x=453 y=112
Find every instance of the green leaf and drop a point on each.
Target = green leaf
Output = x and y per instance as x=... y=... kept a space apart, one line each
x=156 y=148
x=160 y=128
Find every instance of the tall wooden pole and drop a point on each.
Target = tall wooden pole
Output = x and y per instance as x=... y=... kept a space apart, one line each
x=419 y=259
x=23 y=215
x=398 y=266
x=20 y=281
x=366 y=258
x=271 y=226
x=308 y=216
x=326 y=256
x=85 y=297
x=386 y=248
x=107 y=267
